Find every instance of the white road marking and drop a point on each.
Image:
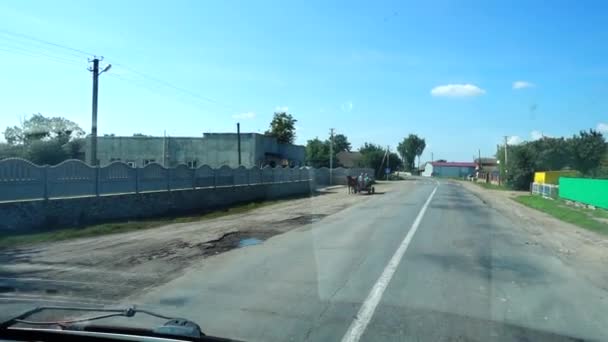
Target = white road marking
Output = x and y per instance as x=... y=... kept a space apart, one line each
x=364 y=316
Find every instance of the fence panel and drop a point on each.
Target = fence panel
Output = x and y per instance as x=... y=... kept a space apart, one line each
x=153 y=177
x=294 y=174
x=585 y=190
x=224 y=176
x=279 y=174
x=181 y=177
x=241 y=176
x=545 y=190
x=255 y=175
x=306 y=174
x=321 y=175
x=204 y=177
x=71 y=178
x=268 y=174
x=339 y=176
x=20 y=179
x=117 y=177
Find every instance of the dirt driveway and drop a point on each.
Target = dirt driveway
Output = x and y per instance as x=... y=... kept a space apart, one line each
x=585 y=251
x=106 y=268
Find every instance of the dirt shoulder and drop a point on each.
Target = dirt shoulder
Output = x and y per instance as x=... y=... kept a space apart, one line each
x=584 y=250
x=113 y=266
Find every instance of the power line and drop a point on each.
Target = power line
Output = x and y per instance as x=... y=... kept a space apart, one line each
x=42 y=41
x=27 y=53
x=25 y=39
x=157 y=89
x=172 y=86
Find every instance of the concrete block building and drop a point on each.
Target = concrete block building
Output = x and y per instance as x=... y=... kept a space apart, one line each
x=213 y=149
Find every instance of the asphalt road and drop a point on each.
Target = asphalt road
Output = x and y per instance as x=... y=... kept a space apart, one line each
x=464 y=274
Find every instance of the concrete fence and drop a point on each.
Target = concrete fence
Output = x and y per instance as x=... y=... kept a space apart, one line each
x=22 y=180
x=71 y=194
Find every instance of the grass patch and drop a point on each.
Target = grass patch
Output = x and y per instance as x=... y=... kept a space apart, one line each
x=491 y=186
x=581 y=217
x=12 y=240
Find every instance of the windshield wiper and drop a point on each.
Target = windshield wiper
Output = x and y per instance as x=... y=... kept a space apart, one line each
x=179 y=328
x=127 y=312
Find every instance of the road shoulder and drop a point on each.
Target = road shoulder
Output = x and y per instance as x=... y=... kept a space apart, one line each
x=584 y=250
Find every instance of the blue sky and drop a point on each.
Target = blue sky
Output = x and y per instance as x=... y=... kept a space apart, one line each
x=374 y=70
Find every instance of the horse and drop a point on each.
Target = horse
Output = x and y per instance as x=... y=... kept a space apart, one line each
x=352 y=184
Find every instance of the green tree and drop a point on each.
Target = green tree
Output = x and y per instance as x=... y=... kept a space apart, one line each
x=341 y=143
x=39 y=127
x=11 y=151
x=283 y=127
x=49 y=152
x=374 y=156
x=317 y=153
x=587 y=150
x=584 y=152
x=410 y=148
x=44 y=140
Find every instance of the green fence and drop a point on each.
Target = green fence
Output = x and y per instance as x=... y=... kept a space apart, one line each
x=585 y=190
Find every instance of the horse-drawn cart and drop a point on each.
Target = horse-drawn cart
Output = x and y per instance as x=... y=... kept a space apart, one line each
x=366 y=185
x=360 y=184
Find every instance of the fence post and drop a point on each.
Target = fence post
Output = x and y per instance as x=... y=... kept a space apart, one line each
x=45 y=181
x=214 y=178
x=248 y=177
x=97 y=181
x=137 y=180
x=193 y=179
x=168 y=179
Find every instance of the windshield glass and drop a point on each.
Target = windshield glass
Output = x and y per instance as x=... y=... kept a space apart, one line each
x=308 y=170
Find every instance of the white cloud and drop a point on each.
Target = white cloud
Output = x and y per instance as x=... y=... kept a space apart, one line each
x=244 y=116
x=514 y=140
x=535 y=135
x=347 y=106
x=281 y=109
x=457 y=90
x=602 y=127
x=522 y=85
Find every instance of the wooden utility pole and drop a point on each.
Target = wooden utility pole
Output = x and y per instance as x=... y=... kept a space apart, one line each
x=93 y=146
x=506 y=160
x=93 y=153
x=387 y=162
x=331 y=155
x=238 y=140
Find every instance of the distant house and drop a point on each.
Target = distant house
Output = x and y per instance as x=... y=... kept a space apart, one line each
x=487 y=170
x=348 y=159
x=449 y=169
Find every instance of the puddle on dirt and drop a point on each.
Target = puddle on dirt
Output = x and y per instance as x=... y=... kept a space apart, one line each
x=249 y=242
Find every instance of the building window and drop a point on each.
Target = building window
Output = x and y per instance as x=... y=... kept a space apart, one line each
x=131 y=163
x=114 y=159
x=149 y=161
x=191 y=164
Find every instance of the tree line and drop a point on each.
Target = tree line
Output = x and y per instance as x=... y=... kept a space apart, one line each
x=319 y=152
x=44 y=140
x=585 y=152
